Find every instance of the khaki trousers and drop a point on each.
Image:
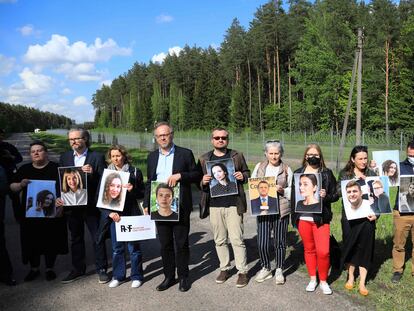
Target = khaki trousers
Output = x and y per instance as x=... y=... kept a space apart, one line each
x=226 y=224
x=402 y=227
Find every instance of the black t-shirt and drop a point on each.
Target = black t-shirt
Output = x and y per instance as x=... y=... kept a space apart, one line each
x=224 y=201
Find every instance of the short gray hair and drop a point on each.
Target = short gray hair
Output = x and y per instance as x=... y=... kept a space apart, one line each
x=274 y=143
x=84 y=133
x=162 y=123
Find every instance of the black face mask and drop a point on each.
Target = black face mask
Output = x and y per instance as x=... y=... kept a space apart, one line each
x=314 y=161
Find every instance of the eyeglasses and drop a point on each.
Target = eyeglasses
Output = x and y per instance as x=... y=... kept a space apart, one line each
x=75 y=139
x=163 y=135
x=220 y=137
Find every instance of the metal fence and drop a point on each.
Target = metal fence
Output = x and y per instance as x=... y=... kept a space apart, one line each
x=251 y=144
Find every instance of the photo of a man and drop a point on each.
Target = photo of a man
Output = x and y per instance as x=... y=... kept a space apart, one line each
x=406 y=195
x=355 y=206
x=165 y=198
x=264 y=204
x=379 y=198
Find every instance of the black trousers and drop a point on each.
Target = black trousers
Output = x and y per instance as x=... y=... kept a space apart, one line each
x=6 y=269
x=175 y=252
x=77 y=220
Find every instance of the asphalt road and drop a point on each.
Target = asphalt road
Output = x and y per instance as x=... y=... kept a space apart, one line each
x=205 y=294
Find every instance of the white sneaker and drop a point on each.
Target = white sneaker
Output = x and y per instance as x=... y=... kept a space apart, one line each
x=263 y=275
x=136 y=283
x=311 y=286
x=325 y=288
x=115 y=283
x=280 y=279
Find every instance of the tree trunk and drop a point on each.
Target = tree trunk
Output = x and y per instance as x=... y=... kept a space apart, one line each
x=278 y=75
x=260 y=101
x=387 y=70
x=290 y=98
x=268 y=75
x=250 y=93
x=274 y=79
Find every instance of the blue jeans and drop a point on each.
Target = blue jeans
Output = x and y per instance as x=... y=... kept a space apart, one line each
x=118 y=258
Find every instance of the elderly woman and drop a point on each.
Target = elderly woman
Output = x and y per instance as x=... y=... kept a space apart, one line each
x=39 y=236
x=223 y=184
x=119 y=160
x=314 y=228
x=274 y=166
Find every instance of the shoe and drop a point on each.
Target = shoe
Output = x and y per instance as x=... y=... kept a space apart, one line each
x=184 y=285
x=222 y=277
x=311 y=286
x=242 y=280
x=115 y=283
x=396 y=277
x=31 y=275
x=136 y=283
x=103 y=277
x=50 y=275
x=326 y=289
x=72 y=276
x=263 y=275
x=349 y=286
x=166 y=284
x=279 y=278
x=363 y=292
x=9 y=281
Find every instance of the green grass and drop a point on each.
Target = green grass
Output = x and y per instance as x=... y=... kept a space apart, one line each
x=383 y=294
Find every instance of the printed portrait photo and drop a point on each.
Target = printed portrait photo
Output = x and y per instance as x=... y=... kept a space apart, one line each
x=223 y=182
x=113 y=190
x=406 y=195
x=356 y=203
x=263 y=196
x=386 y=163
x=379 y=194
x=73 y=186
x=307 y=186
x=164 y=201
x=41 y=198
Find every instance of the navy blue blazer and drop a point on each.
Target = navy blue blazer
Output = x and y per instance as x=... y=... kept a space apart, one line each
x=97 y=161
x=256 y=203
x=184 y=164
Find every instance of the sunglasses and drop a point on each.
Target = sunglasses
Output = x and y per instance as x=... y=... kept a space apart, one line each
x=220 y=137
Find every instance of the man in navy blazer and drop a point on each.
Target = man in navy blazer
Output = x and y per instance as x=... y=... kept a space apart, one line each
x=264 y=203
x=92 y=163
x=172 y=164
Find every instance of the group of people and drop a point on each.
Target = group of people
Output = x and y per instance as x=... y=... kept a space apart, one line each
x=169 y=165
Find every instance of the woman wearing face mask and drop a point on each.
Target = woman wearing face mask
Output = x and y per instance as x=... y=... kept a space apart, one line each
x=358 y=234
x=274 y=166
x=314 y=228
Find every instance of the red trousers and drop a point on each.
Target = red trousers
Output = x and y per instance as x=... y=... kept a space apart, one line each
x=316 y=247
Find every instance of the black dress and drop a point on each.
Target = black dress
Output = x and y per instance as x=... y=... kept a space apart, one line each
x=40 y=236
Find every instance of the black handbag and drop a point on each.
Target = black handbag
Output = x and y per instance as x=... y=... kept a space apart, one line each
x=334 y=253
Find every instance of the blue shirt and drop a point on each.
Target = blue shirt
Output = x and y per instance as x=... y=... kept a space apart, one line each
x=165 y=164
x=79 y=160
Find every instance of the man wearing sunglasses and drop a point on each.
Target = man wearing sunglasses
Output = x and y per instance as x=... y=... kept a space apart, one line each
x=226 y=212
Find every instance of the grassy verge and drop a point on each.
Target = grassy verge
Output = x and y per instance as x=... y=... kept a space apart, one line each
x=383 y=295
x=59 y=144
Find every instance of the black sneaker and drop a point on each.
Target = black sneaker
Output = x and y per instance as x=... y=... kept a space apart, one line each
x=72 y=276
x=50 y=275
x=103 y=277
x=31 y=275
x=396 y=277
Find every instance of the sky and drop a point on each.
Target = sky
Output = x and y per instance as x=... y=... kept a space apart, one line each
x=54 y=55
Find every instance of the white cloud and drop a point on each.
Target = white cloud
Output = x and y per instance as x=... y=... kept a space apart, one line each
x=164 y=18
x=28 y=30
x=59 y=50
x=54 y=108
x=80 y=101
x=80 y=72
x=35 y=83
x=159 y=58
x=66 y=91
x=105 y=82
x=6 y=65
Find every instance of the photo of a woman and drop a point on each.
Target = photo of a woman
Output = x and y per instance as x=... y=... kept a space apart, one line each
x=308 y=189
x=44 y=207
x=221 y=185
x=390 y=169
x=112 y=191
x=72 y=189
